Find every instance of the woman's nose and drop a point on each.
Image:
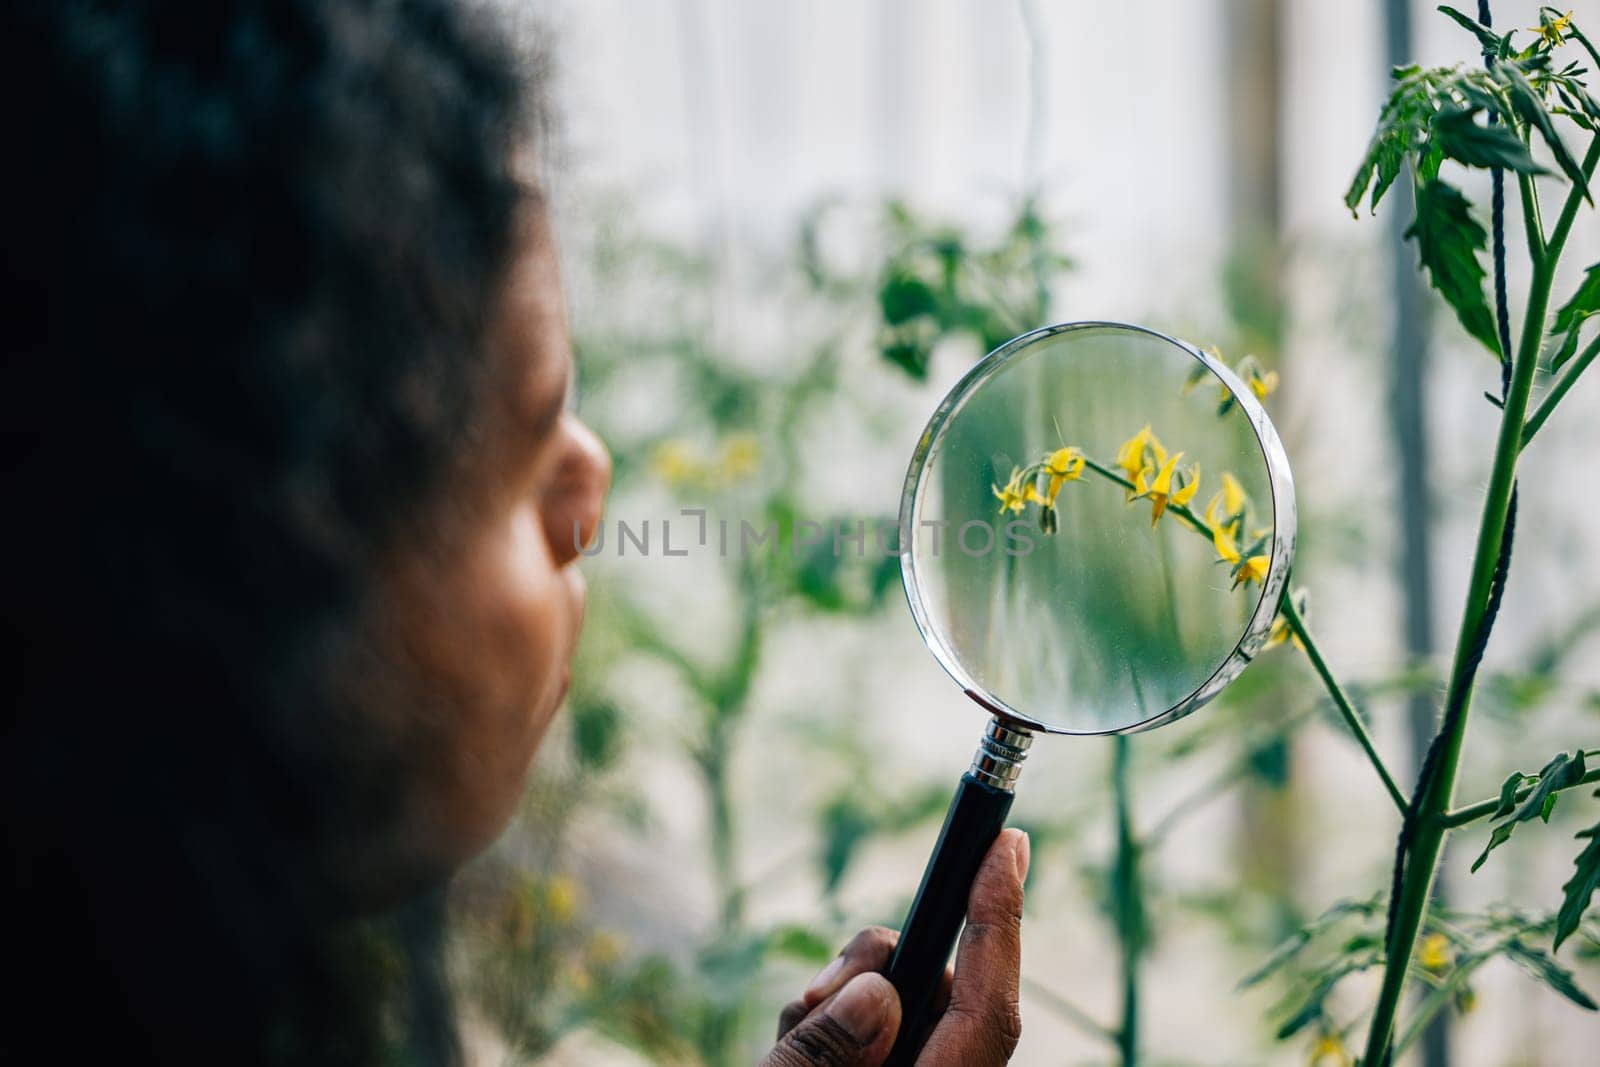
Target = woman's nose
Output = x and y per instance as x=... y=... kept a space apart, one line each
x=581 y=487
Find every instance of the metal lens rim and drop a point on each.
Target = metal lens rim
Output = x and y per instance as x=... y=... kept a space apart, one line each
x=1279 y=478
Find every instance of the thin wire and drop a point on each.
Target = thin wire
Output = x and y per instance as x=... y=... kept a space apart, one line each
x=1461 y=684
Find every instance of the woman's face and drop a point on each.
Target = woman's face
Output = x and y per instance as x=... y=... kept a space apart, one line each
x=467 y=647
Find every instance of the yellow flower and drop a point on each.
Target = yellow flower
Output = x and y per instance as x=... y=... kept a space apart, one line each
x=1280 y=634
x=1138 y=452
x=1262 y=383
x=561 y=898
x=1013 y=497
x=1064 y=465
x=605 y=949
x=1191 y=485
x=1329 y=1049
x=1233 y=496
x=1253 y=569
x=741 y=457
x=676 y=464
x=1555 y=30
x=1160 y=490
x=1435 y=954
x=1223 y=539
x=1281 y=631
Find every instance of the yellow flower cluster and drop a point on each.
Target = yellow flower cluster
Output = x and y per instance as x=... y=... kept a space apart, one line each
x=1022 y=488
x=1260 y=381
x=1153 y=473
x=1553 y=31
x=681 y=465
x=1225 y=515
x=1149 y=472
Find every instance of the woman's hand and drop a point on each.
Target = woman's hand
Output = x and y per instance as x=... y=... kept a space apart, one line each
x=850 y=1014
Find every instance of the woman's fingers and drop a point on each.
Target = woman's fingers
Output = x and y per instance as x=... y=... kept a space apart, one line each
x=855 y=1027
x=982 y=1025
x=867 y=951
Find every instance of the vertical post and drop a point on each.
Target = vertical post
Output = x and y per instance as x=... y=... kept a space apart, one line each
x=1408 y=429
x=1268 y=840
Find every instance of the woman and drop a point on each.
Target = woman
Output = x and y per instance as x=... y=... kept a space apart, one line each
x=292 y=492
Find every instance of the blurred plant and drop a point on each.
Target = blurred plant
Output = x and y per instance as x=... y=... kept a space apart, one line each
x=547 y=966
x=924 y=287
x=1431 y=118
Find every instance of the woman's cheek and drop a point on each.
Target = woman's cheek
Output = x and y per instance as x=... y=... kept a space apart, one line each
x=535 y=606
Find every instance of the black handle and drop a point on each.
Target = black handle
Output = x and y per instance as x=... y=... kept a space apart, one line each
x=970 y=826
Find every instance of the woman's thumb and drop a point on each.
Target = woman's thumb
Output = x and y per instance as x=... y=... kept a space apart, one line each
x=854 y=1028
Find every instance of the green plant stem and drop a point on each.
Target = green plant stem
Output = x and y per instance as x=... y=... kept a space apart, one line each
x=726 y=697
x=1127 y=903
x=1422 y=857
x=1569 y=210
x=1341 y=699
x=1450 y=820
x=1180 y=510
x=1533 y=223
x=1563 y=385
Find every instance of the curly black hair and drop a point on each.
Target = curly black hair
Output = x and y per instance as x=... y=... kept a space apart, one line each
x=251 y=250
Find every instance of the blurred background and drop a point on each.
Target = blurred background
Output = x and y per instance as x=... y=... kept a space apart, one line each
x=788 y=229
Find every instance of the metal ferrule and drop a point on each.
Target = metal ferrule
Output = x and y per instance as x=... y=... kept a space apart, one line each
x=1000 y=754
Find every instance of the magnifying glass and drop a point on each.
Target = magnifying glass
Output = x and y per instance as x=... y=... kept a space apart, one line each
x=1095 y=532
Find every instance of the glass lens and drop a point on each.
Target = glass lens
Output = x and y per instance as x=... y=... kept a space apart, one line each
x=1092 y=533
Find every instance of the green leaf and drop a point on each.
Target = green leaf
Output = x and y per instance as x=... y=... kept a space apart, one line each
x=1486 y=37
x=1465 y=141
x=909 y=355
x=844 y=828
x=799 y=943
x=1311 y=1004
x=1399 y=125
x=1448 y=241
x=596 y=732
x=1291 y=946
x=1539 y=964
x=1563 y=771
x=1530 y=108
x=1578 y=891
x=1571 y=315
x=904 y=296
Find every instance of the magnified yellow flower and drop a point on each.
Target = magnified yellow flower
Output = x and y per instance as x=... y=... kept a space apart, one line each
x=1190 y=486
x=1253 y=569
x=1160 y=490
x=1015 y=496
x=1233 y=495
x=1138 y=452
x=1064 y=465
x=1554 y=31
x=1436 y=955
x=1329 y=1049
x=1222 y=538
